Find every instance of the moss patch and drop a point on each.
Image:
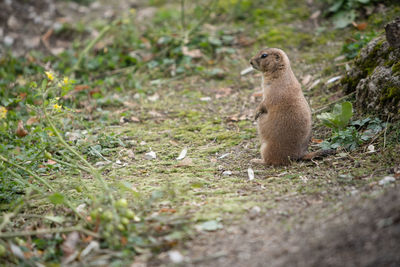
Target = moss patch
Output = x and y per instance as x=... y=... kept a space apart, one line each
x=396 y=69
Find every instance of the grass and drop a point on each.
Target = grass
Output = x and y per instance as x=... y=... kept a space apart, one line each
x=141 y=93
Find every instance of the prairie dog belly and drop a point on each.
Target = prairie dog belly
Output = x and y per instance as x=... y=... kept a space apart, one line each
x=285 y=126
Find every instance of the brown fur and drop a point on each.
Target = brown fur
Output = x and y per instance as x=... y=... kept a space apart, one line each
x=284 y=116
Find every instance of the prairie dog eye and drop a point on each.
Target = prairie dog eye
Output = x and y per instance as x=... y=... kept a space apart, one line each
x=264 y=55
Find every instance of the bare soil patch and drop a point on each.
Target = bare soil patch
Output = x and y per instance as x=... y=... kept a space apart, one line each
x=365 y=232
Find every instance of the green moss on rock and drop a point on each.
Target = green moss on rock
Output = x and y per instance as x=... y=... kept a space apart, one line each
x=369 y=64
x=390 y=93
x=396 y=69
x=350 y=83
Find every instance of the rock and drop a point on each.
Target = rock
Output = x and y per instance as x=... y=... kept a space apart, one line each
x=32 y=42
x=254 y=212
x=150 y=155
x=13 y=23
x=387 y=180
x=375 y=78
x=227 y=173
x=8 y=40
x=175 y=256
x=392 y=30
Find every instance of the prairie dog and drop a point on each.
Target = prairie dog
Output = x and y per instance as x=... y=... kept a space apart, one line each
x=284 y=116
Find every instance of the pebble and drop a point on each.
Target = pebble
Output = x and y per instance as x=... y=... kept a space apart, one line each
x=150 y=155
x=175 y=256
x=8 y=40
x=386 y=180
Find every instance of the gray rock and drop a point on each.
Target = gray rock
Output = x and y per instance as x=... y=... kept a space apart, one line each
x=392 y=30
x=375 y=79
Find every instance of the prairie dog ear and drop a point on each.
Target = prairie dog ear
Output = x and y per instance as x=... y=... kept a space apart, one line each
x=277 y=57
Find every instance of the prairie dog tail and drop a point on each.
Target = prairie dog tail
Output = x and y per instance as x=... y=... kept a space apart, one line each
x=319 y=154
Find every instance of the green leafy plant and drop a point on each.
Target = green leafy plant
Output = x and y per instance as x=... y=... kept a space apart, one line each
x=339 y=117
x=351 y=49
x=111 y=217
x=345 y=133
x=344 y=11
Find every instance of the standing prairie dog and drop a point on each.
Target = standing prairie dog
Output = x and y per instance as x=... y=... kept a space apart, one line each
x=284 y=116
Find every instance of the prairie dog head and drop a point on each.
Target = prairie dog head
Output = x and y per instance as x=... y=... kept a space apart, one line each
x=270 y=60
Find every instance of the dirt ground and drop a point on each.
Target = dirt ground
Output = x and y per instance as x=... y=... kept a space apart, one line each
x=360 y=228
x=367 y=233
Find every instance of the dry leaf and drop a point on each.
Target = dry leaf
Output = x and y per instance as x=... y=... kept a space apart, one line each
x=315 y=15
x=69 y=245
x=129 y=104
x=51 y=162
x=236 y=118
x=81 y=87
x=205 y=99
x=196 y=53
x=224 y=155
x=340 y=58
x=250 y=173
x=182 y=155
x=185 y=162
x=22 y=95
x=314 y=84
x=244 y=40
x=317 y=141
x=172 y=142
x=16 y=250
x=154 y=97
x=246 y=71
x=258 y=94
x=57 y=50
x=334 y=79
x=21 y=132
x=304 y=179
x=222 y=92
x=135 y=119
x=81 y=208
x=94 y=245
x=167 y=210
x=306 y=79
x=155 y=113
x=371 y=149
x=233 y=118
x=360 y=26
x=130 y=154
x=32 y=120
x=94 y=91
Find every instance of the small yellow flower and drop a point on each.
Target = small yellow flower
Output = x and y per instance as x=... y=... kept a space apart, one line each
x=132 y=11
x=3 y=112
x=66 y=80
x=57 y=107
x=50 y=75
